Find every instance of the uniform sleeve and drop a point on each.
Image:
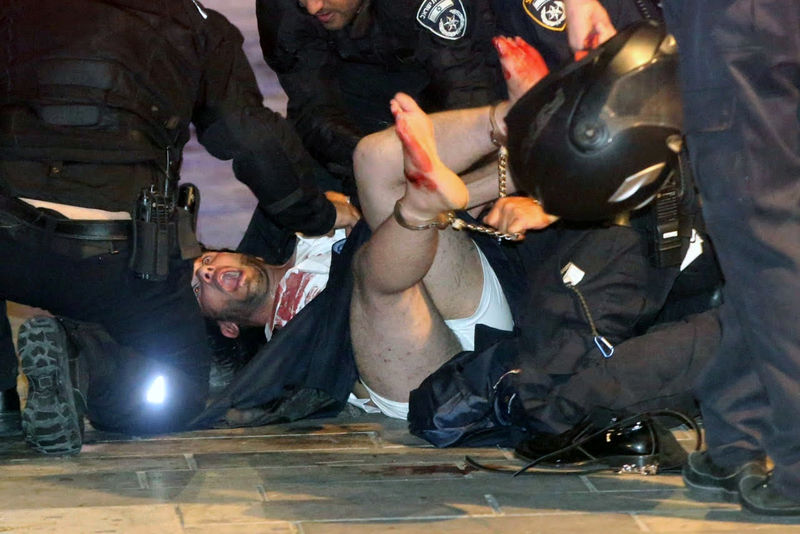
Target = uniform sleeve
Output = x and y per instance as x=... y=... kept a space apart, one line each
x=267 y=154
x=464 y=70
x=298 y=52
x=626 y=12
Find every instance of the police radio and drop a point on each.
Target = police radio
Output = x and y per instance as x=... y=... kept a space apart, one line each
x=672 y=226
x=673 y=210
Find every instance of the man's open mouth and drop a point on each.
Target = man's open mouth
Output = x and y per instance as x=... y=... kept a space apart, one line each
x=229 y=280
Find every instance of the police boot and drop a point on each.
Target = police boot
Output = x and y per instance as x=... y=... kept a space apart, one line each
x=710 y=482
x=759 y=495
x=10 y=424
x=52 y=421
x=634 y=445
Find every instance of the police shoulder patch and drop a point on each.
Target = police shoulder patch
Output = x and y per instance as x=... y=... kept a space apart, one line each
x=547 y=13
x=444 y=18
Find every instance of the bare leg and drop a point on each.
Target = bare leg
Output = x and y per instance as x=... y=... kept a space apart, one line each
x=408 y=281
x=462 y=138
x=405 y=283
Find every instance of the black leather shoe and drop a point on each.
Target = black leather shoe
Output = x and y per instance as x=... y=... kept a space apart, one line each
x=759 y=496
x=51 y=422
x=635 y=445
x=10 y=418
x=709 y=482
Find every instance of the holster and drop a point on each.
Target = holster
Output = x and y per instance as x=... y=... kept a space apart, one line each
x=162 y=228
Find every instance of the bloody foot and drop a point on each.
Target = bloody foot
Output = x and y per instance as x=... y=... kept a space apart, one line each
x=431 y=188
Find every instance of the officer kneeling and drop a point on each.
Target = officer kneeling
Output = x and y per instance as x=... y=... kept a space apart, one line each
x=619 y=318
x=96 y=102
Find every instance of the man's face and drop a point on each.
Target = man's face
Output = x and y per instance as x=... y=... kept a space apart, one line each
x=232 y=287
x=333 y=14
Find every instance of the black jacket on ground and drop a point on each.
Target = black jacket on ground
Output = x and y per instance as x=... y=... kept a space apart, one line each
x=339 y=83
x=477 y=398
x=550 y=374
x=307 y=369
x=91 y=86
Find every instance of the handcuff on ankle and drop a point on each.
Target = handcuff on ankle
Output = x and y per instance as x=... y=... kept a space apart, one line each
x=448 y=218
x=442 y=221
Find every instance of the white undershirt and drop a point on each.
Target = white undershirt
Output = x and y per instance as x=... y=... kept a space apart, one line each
x=78 y=212
x=305 y=280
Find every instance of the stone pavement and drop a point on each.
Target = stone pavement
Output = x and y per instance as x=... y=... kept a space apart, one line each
x=352 y=474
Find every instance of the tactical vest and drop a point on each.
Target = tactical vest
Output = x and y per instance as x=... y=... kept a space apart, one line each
x=109 y=81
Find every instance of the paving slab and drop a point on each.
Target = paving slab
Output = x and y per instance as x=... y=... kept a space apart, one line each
x=351 y=474
x=346 y=474
x=106 y=519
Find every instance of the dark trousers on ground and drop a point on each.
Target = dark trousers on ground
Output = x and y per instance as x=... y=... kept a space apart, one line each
x=740 y=66
x=146 y=329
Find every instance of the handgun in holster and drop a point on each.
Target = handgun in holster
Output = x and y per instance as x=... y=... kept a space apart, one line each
x=164 y=222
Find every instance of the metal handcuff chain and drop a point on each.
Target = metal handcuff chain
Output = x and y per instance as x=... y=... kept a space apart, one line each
x=502 y=178
x=445 y=219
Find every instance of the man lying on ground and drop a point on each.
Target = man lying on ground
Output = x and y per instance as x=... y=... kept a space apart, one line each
x=238 y=290
x=421 y=288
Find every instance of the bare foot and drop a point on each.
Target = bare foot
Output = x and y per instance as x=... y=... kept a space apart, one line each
x=522 y=64
x=431 y=188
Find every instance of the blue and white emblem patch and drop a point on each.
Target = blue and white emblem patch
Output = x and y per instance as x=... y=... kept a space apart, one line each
x=444 y=18
x=547 y=13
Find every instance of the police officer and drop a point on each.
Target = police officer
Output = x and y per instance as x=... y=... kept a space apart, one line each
x=542 y=23
x=739 y=63
x=96 y=102
x=341 y=61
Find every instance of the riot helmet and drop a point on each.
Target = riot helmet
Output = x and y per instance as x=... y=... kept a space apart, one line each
x=598 y=137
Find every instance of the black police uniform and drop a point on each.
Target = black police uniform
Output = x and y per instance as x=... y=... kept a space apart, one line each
x=542 y=23
x=739 y=64
x=553 y=371
x=96 y=97
x=339 y=83
x=544 y=377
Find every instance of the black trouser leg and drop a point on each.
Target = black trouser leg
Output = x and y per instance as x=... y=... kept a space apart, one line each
x=8 y=356
x=154 y=329
x=740 y=67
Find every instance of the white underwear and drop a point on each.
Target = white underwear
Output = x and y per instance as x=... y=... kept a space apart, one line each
x=380 y=404
x=492 y=311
